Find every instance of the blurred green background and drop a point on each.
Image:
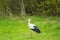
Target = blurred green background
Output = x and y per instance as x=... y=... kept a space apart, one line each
x=44 y=13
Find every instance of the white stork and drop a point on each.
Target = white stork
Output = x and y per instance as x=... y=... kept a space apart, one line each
x=33 y=27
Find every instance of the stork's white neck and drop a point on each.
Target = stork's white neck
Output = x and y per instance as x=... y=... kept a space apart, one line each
x=28 y=21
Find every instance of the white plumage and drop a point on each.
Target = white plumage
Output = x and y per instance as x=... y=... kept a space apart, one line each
x=30 y=25
x=33 y=27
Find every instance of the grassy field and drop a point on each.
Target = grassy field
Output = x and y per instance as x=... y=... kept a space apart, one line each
x=17 y=29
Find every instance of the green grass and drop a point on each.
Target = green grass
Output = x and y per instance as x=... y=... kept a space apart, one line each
x=17 y=29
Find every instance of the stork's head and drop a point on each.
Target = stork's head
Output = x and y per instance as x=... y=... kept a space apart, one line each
x=28 y=20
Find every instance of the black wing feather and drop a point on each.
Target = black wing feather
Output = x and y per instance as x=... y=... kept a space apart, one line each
x=36 y=29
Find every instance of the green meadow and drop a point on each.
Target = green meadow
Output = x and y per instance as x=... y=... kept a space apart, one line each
x=17 y=29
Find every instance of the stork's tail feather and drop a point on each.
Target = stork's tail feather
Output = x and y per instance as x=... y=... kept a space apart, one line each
x=36 y=29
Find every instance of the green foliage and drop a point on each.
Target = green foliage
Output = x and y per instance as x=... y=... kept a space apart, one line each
x=31 y=7
x=47 y=7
